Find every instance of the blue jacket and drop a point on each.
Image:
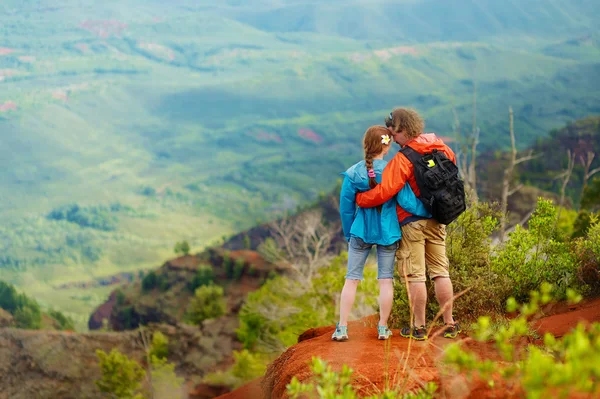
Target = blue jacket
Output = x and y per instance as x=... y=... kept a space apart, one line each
x=368 y=224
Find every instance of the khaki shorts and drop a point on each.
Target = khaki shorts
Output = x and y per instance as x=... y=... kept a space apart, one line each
x=423 y=245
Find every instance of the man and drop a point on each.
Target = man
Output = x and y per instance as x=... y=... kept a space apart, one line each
x=423 y=241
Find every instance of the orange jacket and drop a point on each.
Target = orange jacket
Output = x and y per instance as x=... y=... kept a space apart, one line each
x=399 y=171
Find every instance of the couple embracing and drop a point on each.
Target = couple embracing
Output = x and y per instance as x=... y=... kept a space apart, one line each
x=398 y=208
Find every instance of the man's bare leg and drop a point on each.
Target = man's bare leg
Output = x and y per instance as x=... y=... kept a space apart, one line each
x=418 y=301
x=445 y=295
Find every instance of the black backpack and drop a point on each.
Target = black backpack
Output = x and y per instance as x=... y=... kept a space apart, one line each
x=442 y=190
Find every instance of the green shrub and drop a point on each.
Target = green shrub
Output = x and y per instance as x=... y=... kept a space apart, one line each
x=95 y=217
x=182 y=247
x=160 y=346
x=534 y=255
x=275 y=315
x=468 y=245
x=26 y=311
x=329 y=384
x=120 y=297
x=154 y=280
x=582 y=224
x=591 y=195
x=204 y=276
x=149 y=282
x=208 y=303
x=587 y=250
x=64 y=322
x=238 y=269
x=29 y=317
x=247 y=366
x=228 y=264
x=560 y=368
x=121 y=377
x=165 y=383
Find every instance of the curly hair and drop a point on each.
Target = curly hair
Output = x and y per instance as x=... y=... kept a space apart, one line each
x=406 y=119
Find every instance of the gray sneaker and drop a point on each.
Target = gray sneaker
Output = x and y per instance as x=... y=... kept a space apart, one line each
x=383 y=332
x=340 y=333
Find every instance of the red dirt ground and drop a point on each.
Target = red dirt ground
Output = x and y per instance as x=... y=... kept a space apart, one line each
x=368 y=358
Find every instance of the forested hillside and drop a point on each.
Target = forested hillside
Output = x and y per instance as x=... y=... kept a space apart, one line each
x=128 y=127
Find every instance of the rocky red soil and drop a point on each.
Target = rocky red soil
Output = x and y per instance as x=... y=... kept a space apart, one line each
x=398 y=361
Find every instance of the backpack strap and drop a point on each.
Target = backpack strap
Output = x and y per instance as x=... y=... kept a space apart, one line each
x=413 y=156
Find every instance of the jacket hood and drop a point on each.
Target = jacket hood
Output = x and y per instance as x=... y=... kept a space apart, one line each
x=426 y=142
x=358 y=173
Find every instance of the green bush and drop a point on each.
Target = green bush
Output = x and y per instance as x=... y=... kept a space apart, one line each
x=182 y=247
x=587 y=250
x=121 y=377
x=125 y=378
x=149 y=281
x=95 y=217
x=228 y=264
x=329 y=384
x=208 y=303
x=275 y=315
x=247 y=366
x=468 y=245
x=534 y=255
x=238 y=269
x=204 y=276
x=120 y=297
x=26 y=311
x=560 y=368
x=154 y=280
x=64 y=322
x=160 y=346
x=247 y=242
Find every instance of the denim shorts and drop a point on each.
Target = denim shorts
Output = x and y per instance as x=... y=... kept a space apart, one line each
x=358 y=251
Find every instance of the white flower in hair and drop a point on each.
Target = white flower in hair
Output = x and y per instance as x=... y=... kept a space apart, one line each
x=385 y=139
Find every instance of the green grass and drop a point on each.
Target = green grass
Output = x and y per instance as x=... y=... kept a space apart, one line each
x=190 y=115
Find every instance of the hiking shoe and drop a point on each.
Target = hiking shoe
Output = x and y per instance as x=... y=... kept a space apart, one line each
x=416 y=333
x=383 y=332
x=452 y=330
x=340 y=333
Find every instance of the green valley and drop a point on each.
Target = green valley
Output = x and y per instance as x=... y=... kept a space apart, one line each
x=126 y=127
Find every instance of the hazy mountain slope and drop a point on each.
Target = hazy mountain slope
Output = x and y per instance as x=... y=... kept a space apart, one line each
x=421 y=20
x=154 y=122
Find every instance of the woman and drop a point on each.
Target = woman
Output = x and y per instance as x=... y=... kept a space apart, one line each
x=364 y=228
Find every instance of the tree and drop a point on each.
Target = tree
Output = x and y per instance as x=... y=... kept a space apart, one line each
x=247 y=242
x=150 y=281
x=587 y=173
x=591 y=196
x=565 y=176
x=208 y=303
x=301 y=243
x=182 y=247
x=26 y=311
x=204 y=276
x=507 y=191
x=161 y=379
